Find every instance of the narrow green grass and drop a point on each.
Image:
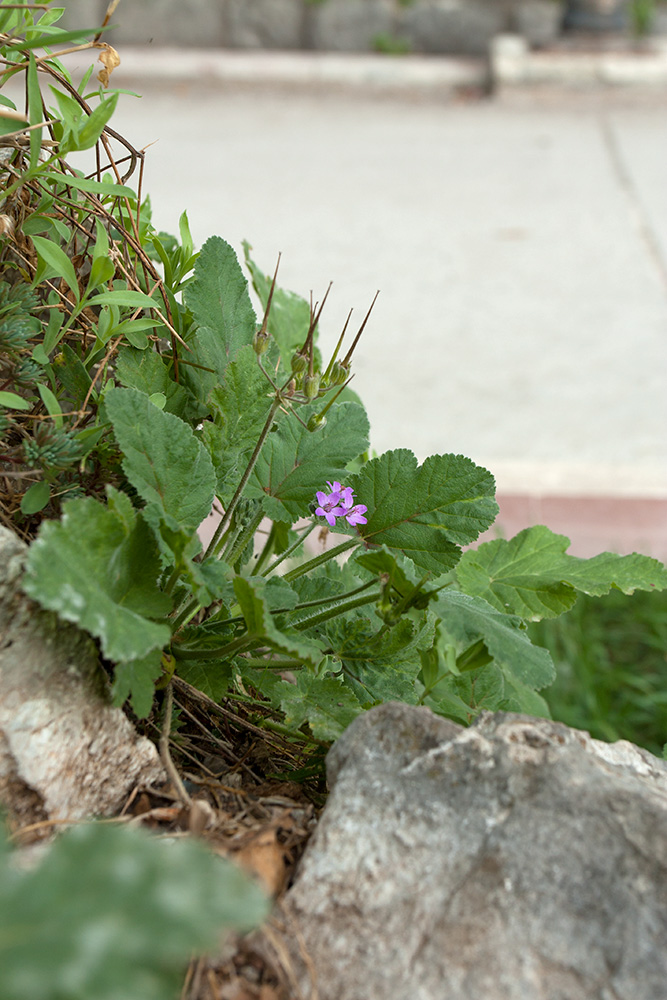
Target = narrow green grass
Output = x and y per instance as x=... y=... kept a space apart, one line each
x=611 y=660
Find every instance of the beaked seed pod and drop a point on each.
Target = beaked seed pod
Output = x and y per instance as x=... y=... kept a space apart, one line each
x=315 y=421
x=311 y=387
x=339 y=373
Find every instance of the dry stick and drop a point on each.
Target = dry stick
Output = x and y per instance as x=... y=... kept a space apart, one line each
x=169 y=765
x=100 y=370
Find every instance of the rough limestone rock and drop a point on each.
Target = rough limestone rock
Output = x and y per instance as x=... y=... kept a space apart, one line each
x=64 y=751
x=515 y=860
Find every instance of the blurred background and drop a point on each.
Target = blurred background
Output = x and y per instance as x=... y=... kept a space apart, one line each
x=496 y=168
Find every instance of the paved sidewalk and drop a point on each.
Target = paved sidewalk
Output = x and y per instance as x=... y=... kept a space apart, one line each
x=520 y=248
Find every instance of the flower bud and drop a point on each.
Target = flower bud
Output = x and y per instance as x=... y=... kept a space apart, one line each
x=311 y=387
x=299 y=363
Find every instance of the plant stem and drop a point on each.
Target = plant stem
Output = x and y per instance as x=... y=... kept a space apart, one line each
x=306 y=567
x=340 y=609
x=289 y=551
x=230 y=649
x=235 y=549
x=169 y=765
x=278 y=664
x=213 y=544
x=274 y=727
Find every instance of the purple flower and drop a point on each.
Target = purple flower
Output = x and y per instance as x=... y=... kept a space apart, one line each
x=339 y=503
x=329 y=506
x=355 y=515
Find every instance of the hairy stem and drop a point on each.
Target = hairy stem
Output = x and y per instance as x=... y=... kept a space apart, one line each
x=306 y=567
x=231 y=507
x=288 y=552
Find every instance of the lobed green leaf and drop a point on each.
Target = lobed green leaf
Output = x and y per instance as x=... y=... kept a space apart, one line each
x=98 y=567
x=169 y=468
x=427 y=511
x=295 y=463
x=532 y=575
x=468 y=619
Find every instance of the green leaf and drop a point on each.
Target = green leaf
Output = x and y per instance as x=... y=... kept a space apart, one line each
x=250 y=594
x=146 y=371
x=13 y=401
x=87 y=184
x=51 y=403
x=35 y=111
x=427 y=511
x=240 y=408
x=35 y=498
x=295 y=463
x=481 y=690
x=162 y=458
x=110 y=906
x=532 y=576
x=121 y=297
x=213 y=677
x=98 y=567
x=381 y=664
x=326 y=704
x=468 y=619
x=72 y=373
x=54 y=262
x=96 y=122
x=135 y=679
x=220 y=304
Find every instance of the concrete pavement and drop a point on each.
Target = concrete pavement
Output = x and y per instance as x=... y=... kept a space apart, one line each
x=520 y=249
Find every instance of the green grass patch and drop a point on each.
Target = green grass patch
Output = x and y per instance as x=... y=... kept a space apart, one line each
x=611 y=662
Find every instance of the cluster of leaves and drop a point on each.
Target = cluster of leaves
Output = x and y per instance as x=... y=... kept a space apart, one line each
x=81 y=268
x=409 y=616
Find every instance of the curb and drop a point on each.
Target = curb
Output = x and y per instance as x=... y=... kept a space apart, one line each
x=318 y=70
x=514 y=65
x=511 y=66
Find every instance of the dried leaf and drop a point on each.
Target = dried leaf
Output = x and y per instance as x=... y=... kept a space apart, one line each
x=263 y=857
x=109 y=59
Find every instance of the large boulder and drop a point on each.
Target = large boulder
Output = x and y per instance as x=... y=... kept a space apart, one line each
x=517 y=859
x=65 y=752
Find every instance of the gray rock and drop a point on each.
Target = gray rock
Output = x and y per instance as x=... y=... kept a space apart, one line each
x=267 y=24
x=515 y=860
x=65 y=752
x=464 y=27
x=350 y=25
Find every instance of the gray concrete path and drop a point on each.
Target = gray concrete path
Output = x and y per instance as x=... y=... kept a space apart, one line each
x=520 y=249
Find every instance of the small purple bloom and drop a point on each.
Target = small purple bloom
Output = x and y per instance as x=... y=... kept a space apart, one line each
x=329 y=506
x=355 y=515
x=339 y=503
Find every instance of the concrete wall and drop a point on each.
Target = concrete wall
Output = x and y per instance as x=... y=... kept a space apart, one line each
x=463 y=27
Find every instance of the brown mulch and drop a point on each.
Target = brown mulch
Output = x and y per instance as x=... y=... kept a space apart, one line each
x=246 y=805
